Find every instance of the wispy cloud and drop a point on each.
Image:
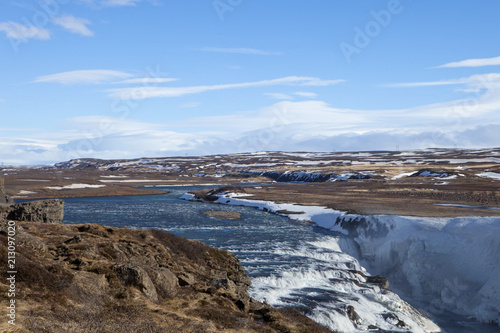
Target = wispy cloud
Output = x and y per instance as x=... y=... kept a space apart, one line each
x=282 y=96
x=73 y=24
x=306 y=94
x=279 y=96
x=316 y=82
x=21 y=32
x=97 y=4
x=495 y=61
x=150 y=92
x=120 y=3
x=480 y=81
x=95 y=76
x=148 y=80
x=239 y=50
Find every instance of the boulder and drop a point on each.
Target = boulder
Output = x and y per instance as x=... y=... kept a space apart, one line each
x=136 y=276
x=165 y=281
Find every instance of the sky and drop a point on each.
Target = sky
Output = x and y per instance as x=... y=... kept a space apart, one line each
x=118 y=79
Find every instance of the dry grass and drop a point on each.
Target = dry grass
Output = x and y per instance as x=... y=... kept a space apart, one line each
x=67 y=282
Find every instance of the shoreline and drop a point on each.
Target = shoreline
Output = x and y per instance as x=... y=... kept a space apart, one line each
x=303 y=197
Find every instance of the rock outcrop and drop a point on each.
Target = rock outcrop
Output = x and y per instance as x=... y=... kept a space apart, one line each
x=46 y=211
x=4 y=198
x=91 y=278
x=298 y=176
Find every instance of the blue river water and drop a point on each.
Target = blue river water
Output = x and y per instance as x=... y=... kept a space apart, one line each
x=279 y=254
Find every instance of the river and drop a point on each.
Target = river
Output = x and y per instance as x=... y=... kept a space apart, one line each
x=290 y=263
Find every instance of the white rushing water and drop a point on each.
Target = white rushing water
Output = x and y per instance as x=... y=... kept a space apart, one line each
x=447 y=264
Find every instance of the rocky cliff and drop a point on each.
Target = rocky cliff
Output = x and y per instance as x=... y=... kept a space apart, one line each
x=46 y=211
x=91 y=278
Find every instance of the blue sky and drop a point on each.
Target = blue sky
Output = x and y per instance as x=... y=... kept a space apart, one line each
x=133 y=78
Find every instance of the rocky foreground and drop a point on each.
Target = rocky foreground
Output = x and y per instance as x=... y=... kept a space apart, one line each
x=91 y=278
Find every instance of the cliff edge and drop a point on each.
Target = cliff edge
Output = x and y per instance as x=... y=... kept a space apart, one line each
x=46 y=211
x=91 y=278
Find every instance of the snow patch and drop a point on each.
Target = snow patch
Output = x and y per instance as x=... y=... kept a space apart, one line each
x=492 y=175
x=74 y=186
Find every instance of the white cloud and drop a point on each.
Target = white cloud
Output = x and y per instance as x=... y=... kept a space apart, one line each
x=21 y=32
x=279 y=96
x=290 y=97
x=479 y=81
x=316 y=82
x=148 y=80
x=189 y=105
x=306 y=94
x=238 y=50
x=74 y=24
x=299 y=115
x=120 y=3
x=472 y=63
x=100 y=125
x=95 y=76
x=116 y=3
x=286 y=125
x=309 y=125
x=149 y=92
